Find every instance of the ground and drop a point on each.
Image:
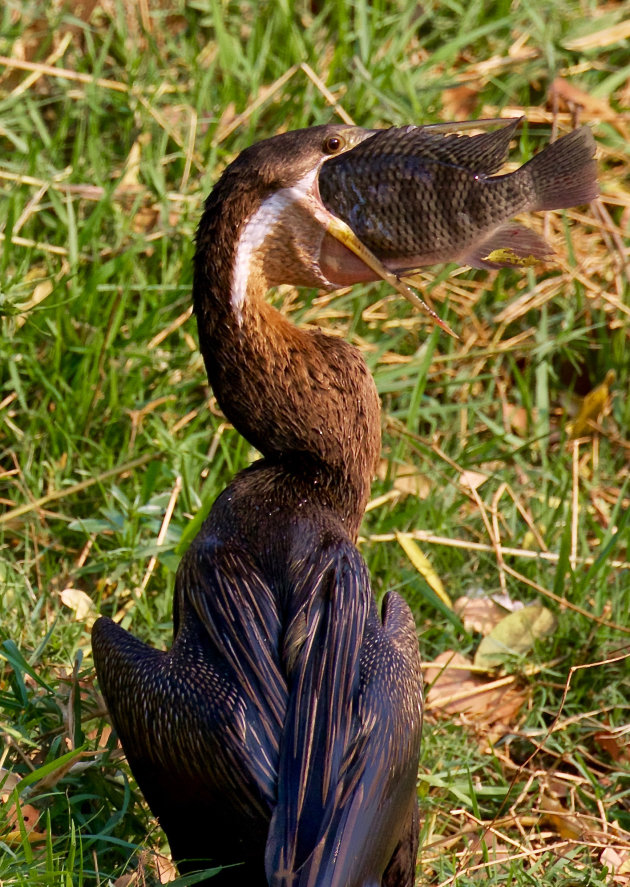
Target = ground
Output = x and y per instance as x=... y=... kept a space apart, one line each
x=505 y=458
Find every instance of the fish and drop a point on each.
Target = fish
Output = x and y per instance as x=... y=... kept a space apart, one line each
x=422 y=195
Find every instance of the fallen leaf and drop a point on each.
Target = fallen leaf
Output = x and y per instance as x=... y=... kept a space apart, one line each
x=515 y=419
x=617 y=862
x=506 y=602
x=413 y=484
x=422 y=564
x=8 y=781
x=610 y=743
x=30 y=816
x=593 y=404
x=40 y=292
x=101 y=735
x=81 y=603
x=479 y=614
x=145 y=218
x=447 y=675
x=563 y=821
x=454 y=688
x=571 y=96
x=472 y=479
x=14 y=837
x=460 y=102
x=165 y=868
x=406 y=479
x=514 y=635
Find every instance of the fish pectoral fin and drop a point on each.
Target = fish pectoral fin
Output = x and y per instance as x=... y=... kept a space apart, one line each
x=511 y=245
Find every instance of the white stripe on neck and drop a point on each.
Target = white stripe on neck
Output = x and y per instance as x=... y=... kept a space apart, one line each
x=257 y=228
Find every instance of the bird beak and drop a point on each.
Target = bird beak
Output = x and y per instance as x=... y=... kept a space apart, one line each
x=344 y=235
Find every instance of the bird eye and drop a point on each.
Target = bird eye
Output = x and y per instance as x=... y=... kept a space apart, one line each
x=333 y=145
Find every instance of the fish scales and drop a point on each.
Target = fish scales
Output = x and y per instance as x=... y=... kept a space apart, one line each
x=425 y=207
x=415 y=197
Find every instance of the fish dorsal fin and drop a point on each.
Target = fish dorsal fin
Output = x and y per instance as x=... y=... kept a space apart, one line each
x=484 y=153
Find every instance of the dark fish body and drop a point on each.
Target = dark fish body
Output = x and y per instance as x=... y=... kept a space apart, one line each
x=416 y=197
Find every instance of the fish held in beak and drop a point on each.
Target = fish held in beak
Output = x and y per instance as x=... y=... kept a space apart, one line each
x=417 y=196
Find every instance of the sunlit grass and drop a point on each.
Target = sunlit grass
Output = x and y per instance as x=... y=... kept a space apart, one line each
x=103 y=170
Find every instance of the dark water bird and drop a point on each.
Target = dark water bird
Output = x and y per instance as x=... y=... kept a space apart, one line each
x=280 y=734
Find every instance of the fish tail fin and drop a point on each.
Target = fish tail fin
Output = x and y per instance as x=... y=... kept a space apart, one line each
x=564 y=174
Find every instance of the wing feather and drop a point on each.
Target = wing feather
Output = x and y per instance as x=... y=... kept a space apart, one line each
x=330 y=601
x=349 y=756
x=212 y=708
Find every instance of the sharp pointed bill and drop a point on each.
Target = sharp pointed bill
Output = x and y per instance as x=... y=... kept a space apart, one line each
x=346 y=237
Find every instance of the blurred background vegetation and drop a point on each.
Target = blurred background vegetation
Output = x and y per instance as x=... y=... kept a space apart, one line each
x=505 y=455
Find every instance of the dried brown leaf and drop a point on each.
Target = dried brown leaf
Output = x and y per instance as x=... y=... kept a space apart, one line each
x=563 y=821
x=617 y=862
x=460 y=102
x=8 y=780
x=570 y=96
x=30 y=817
x=165 y=868
x=145 y=219
x=454 y=688
x=408 y=480
x=515 y=419
x=448 y=674
x=478 y=614
x=611 y=744
x=413 y=484
x=472 y=479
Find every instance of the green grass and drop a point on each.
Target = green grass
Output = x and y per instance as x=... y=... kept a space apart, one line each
x=101 y=186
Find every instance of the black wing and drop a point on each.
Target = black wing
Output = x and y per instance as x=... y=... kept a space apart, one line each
x=349 y=752
x=200 y=725
x=295 y=701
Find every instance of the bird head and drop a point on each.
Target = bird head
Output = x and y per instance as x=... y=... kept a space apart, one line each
x=269 y=201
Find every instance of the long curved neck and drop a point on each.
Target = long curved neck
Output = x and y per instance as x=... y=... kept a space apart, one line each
x=305 y=400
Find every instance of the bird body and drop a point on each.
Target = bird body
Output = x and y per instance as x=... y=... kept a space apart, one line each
x=284 y=691
x=279 y=736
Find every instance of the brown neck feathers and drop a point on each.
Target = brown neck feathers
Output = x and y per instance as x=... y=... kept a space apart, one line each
x=304 y=399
